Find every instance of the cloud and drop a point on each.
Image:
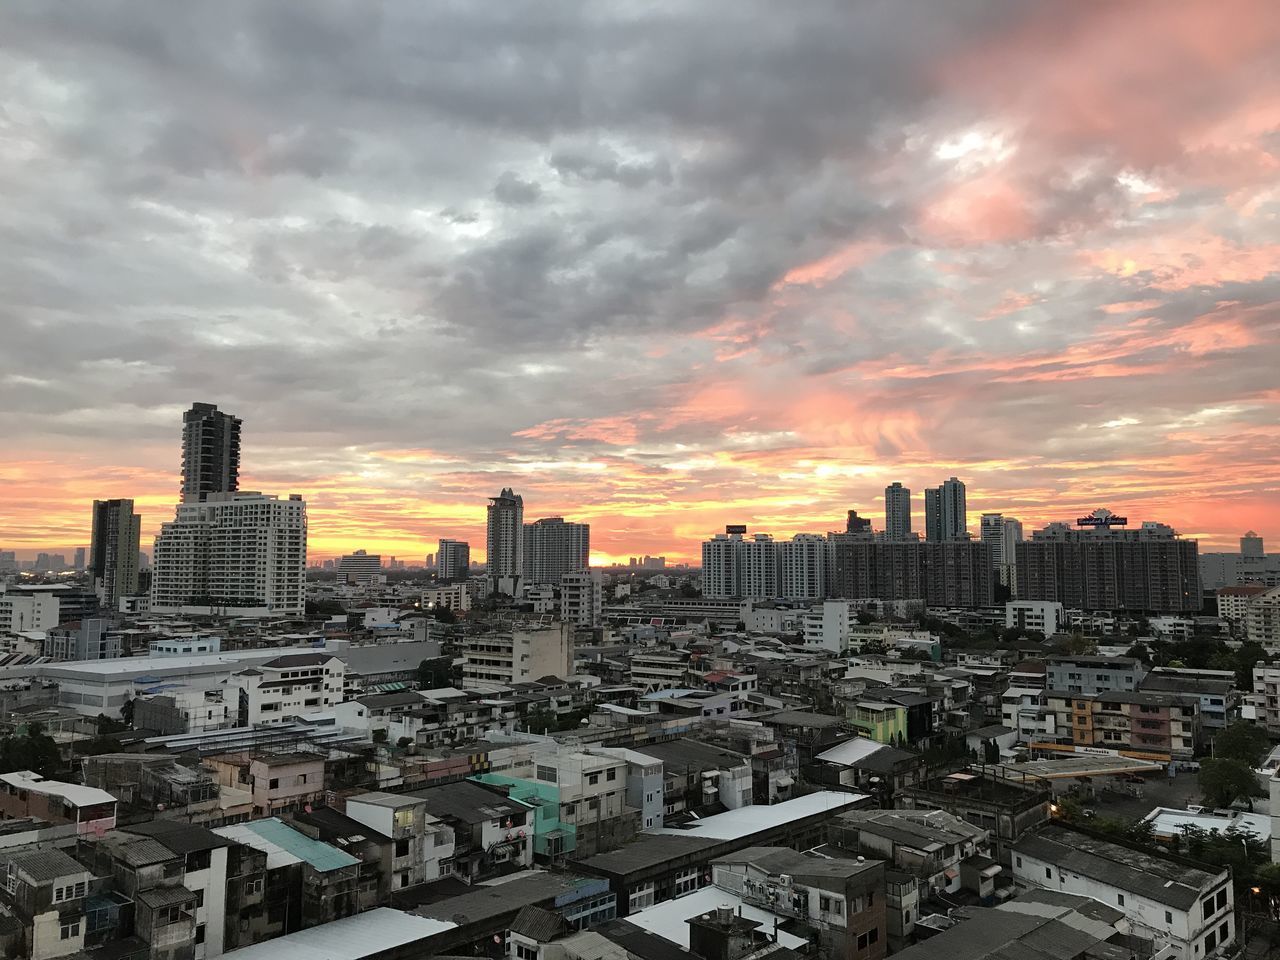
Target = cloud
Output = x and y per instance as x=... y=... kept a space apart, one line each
x=654 y=265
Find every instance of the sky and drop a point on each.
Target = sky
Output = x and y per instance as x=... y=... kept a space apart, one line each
x=658 y=266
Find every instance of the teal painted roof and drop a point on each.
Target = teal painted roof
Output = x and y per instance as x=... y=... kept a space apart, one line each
x=320 y=855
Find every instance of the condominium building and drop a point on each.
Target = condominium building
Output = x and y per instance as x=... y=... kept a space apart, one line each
x=454 y=596
x=554 y=547
x=897 y=512
x=244 y=552
x=1101 y=566
x=453 y=560
x=720 y=565
x=521 y=653
x=581 y=598
x=113 y=550
x=210 y=452
x=1262 y=619
x=1144 y=725
x=802 y=563
x=359 y=569
x=89 y=639
x=22 y=610
x=1233 y=602
x=1087 y=674
x=504 y=543
x=945 y=512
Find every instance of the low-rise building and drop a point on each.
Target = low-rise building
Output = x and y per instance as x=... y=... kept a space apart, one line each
x=522 y=653
x=1216 y=690
x=289 y=686
x=1166 y=899
x=1089 y=675
x=1041 y=616
x=491 y=832
x=931 y=845
x=1143 y=725
x=28 y=794
x=416 y=846
x=45 y=891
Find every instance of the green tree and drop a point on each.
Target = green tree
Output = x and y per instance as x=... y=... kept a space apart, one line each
x=1224 y=781
x=1242 y=741
x=1139 y=651
x=35 y=751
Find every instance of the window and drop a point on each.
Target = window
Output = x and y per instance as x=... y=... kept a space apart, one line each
x=199 y=899
x=526 y=953
x=1207 y=906
x=1048 y=873
x=169 y=915
x=641 y=897
x=1168 y=916
x=1222 y=898
x=1224 y=931
x=1019 y=861
x=200 y=933
x=1120 y=899
x=824 y=904
x=612 y=774
x=547 y=773
x=686 y=882
x=593 y=779
x=593 y=804
x=69 y=931
x=273 y=783
x=252 y=887
x=1210 y=941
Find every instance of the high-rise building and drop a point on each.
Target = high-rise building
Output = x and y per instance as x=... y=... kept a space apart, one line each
x=1010 y=537
x=8 y=561
x=992 y=533
x=581 y=598
x=359 y=569
x=897 y=512
x=802 y=564
x=553 y=547
x=721 y=564
x=951 y=574
x=504 y=543
x=114 y=557
x=1101 y=566
x=210 y=452
x=453 y=559
x=237 y=552
x=945 y=512
x=856 y=524
x=1251 y=546
x=758 y=567
x=79 y=561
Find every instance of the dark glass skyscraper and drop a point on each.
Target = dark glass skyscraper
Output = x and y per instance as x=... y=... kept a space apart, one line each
x=210 y=452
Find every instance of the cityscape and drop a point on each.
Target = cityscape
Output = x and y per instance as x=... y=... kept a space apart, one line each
x=724 y=481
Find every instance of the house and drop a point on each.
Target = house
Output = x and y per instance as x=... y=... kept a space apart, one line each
x=491 y=832
x=277 y=782
x=288 y=686
x=1167 y=899
x=28 y=794
x=416 y=846
x=46 y=892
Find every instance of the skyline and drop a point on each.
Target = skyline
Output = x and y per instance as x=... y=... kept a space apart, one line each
x=657 y=270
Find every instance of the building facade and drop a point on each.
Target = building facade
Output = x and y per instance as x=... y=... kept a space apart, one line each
x=232 y=551
x=504 y=543
x=453 y=560
x=210 y=452
x=554 y=547
x=113 y=550
x=946 y=512
x=581 y=598
x=897 y=512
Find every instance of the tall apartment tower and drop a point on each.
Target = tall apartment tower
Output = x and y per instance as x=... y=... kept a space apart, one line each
x=504 y=543
x=945 y=512
x=1252 y=547
x=210 y=452
x=553 y=547
x=243 y=552
x=453 y=560
x=1010 y=537
x=113 y=550
x=991 y=531
x=897 y=512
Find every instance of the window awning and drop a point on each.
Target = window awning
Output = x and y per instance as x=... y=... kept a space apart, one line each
x=785 y=781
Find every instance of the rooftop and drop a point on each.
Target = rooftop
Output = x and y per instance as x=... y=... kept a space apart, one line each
x=43 y=863
x=351 y=938
x=649 y=851
x=284 y=845
x=735 y=824
x=181 y=838
x=1176 y=882
x=73 y=793
x=469 y=802
x=668 y=919
x=488 y=901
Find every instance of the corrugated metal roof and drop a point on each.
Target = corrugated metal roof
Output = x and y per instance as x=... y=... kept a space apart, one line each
x=275 y=833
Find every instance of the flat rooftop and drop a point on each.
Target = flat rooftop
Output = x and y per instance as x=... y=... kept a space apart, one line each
x=350 y=938
x=736 y=824
x=1087 y=765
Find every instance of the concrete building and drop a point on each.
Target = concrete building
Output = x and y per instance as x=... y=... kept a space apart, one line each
x=289 y=686
x=83 y=640
x=758 y=567
x=897 y=512
x=720 y=564
x=455 y=596
x=946 y=512
x=1251 y=565
x=553 y=548
x=1233 y=604
x=802 y=567
x=492 y=833
x=1262 y=619
x=931 y=845
x=28 y=794
x=1090 y=674
x=1144 y=725
x=210 y=452
x=1166 y=899
x=419 y=848
x=359 y=569
x=232 y=552
x=22 y=611
x=1041 y=616
x=113 y=550
x=1102 y=566
x=581 y=598
x=453 y=560
x=46 y=893
x=522 y=653
x=504 y=542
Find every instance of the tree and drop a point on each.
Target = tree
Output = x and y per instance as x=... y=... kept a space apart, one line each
x=445 y=615
x=1242 y=741
x=34 y=751
x=1224 y=781
x=433 y=674
x=126 y=711
x=990 y=751
x=108 y=725
x=1139 y=651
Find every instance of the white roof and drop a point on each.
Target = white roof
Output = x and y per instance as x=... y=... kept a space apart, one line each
x=735 y=824
x=277 y=856
x=667 y=919
x=123 y=666
x=72 y=792
x=347 y=939
x=851 y=751
x=1169 y=821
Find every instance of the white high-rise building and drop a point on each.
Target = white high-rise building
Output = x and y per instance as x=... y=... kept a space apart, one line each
x=244 y=552
x=802 y=566
x=359 y=569
x=504 y=543
x=720 y=566
x=758 y=567
x=453 y=561
x=554 y=547
x=1010 y=537
x=581 y=598
x=897 y=512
